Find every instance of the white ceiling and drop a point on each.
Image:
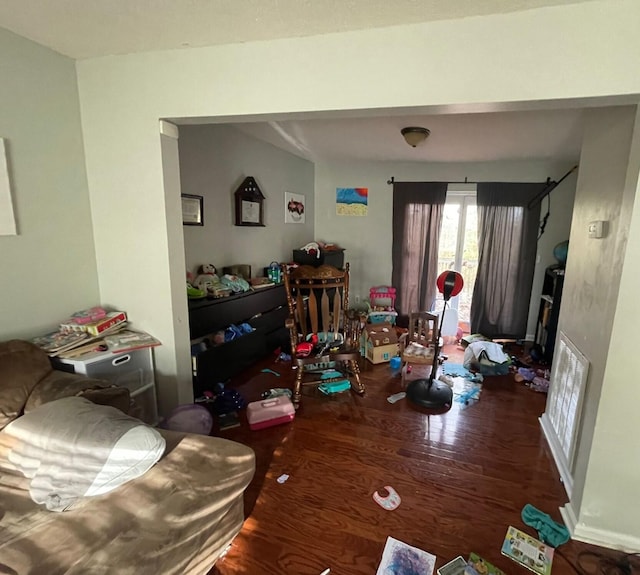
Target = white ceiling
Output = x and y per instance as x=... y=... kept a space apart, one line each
x=92 y=28
x=533 y=135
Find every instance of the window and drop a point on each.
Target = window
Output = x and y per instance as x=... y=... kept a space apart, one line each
x=458 y=245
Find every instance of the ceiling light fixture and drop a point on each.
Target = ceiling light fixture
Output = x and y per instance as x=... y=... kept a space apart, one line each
x=414 y=136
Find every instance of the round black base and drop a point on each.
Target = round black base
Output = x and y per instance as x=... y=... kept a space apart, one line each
x=433 y=395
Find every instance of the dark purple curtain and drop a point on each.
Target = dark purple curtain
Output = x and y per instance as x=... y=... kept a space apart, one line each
x=507 y=244
x=417 y=219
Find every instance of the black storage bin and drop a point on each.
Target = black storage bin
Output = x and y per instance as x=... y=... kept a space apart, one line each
x=333 y=258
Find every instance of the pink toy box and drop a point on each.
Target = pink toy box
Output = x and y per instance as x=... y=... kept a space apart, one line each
x=382 y=301
x=383 y=296
x=270 y=412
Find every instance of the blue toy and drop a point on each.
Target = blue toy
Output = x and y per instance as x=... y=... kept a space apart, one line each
x=266 y=370
x=471 y=395
x=334 y=387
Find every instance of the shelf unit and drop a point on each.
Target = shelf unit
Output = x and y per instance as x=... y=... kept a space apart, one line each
x=265 y=310
x=549 y=311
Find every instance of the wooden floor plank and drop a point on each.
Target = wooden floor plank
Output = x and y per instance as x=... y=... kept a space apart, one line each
x=463 y=476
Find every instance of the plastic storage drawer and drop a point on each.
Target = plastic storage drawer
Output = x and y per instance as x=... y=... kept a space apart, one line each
x=130 y=369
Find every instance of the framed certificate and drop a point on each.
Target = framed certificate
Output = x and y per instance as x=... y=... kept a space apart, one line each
x=192 y=210
x=249 y=204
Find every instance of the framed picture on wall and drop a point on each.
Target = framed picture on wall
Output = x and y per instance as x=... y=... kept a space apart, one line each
x=294 y=208
x=249 y=201
x=192 y=210
x=7 y=217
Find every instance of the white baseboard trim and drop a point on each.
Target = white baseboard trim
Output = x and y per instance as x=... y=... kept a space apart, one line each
x=569 y=517
x=558 y=455
x=605 y=538
x=594 y=536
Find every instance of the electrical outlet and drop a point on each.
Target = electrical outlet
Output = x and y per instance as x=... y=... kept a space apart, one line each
x=597 y=229
x=357 y=299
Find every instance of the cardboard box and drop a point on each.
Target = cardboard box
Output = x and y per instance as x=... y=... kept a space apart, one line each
x=382 y=354
x=379 y=342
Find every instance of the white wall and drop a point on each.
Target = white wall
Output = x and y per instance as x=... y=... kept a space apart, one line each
x=179 y=346
x=49 y=268
x=544 y=55
x=214 y=160
x=599 y=313
x=368 y=239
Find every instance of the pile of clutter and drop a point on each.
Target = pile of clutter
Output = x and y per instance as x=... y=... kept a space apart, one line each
x=489 y=358
x=536 y=379
x=208 y=283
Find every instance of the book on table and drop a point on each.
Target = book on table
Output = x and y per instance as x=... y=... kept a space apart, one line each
x=69 y=344
x=128 y=340
x=528 y=551
x=59 y=341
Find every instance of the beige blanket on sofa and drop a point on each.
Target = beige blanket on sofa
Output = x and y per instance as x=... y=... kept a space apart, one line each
x=71 y=448
x=174 y=520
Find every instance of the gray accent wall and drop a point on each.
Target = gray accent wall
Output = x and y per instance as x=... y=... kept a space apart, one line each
x=214 y=160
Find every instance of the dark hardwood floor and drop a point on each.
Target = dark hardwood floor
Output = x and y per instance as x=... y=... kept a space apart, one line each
x=463 y=477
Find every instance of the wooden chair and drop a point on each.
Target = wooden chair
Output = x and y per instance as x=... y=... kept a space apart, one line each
x=318 y=299
x=421 y=343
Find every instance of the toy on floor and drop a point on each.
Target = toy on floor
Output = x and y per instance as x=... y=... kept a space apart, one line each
x=390 y=501
x=334 y=387
x=276 y=392
x=469 y=396
x=270 y=412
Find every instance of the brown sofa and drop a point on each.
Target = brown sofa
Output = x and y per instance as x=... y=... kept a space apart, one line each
x=177 y=518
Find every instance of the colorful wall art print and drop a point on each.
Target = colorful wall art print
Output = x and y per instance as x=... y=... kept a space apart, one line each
x=294 y=208
x=352 y=201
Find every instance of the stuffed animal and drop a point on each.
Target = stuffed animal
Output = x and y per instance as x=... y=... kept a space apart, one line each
x=209 y=282
x=206 y=278
x=312 y=249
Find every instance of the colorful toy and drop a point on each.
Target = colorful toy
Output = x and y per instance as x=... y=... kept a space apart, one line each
x=270 y=412
x=194 y=293
x=304 y=349
x=383 y=297
x=334 y=387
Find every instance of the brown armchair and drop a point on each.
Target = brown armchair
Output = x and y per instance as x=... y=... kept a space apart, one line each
x=318 y=299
